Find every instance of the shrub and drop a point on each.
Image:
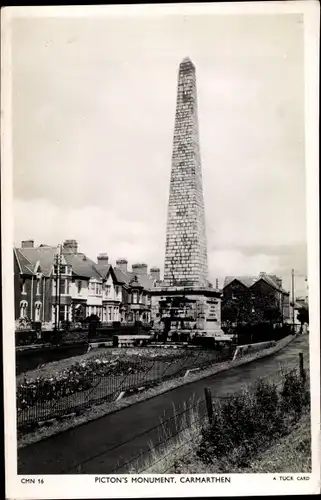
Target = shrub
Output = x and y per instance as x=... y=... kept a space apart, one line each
x=245 y=423
x=294 y=395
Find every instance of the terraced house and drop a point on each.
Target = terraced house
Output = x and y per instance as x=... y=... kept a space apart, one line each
x=250 y=299
x=85 y=287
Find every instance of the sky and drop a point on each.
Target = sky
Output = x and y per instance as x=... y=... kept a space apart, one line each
x=93 y=115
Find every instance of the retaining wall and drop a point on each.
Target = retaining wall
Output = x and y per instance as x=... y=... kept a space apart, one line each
x=244 y=350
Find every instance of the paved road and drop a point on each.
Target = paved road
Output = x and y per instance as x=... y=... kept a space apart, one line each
x=108 y=442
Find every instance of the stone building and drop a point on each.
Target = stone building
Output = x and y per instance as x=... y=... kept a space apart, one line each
x=185 y=295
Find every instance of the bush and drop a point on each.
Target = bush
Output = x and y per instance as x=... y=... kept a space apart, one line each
x=295 y=395
x=246 y=423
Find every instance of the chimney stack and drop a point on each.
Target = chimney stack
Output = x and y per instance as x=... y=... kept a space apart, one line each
x=122 y=264
x=70 y=246
x=139 y=269
x=102 y=261
x=27 y=244
x=155 y=273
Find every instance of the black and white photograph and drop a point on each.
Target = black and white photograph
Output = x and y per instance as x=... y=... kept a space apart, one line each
x=162 y=294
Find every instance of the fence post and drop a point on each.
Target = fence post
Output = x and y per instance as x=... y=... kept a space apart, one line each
x=209 y=404
x=301 y=366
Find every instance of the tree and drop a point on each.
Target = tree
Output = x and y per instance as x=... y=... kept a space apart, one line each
x=303 y=316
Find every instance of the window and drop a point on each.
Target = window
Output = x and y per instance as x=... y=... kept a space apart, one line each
x=115 y=314
x=79 y=286
x=134 y=297
x=108 y=287
x=64 y=312
x=62 y=269
x=110 y=313
x=92 y=287
x=104 y=315
x=37 y=311
x=38 y=287
x=24 y=287
x=64 y=286
x=23 y=309
x=98 y=289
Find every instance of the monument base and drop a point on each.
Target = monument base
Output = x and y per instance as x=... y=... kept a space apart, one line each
x=196 y=310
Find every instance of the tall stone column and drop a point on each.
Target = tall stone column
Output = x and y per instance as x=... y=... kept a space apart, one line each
x=186 y=252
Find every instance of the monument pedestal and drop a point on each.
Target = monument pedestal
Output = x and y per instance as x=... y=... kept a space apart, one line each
x=196 y=310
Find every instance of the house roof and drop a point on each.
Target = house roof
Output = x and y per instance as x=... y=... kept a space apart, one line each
x=82 y=265
x=245 y=280
x=24 y=264
x=45 y=256
x=126 y=276
x=249 y=281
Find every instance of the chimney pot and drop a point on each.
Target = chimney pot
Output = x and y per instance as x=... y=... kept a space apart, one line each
x=122 y=264
x=155 y=273
x=139 y=269
x=70 y=246
x=27 y=244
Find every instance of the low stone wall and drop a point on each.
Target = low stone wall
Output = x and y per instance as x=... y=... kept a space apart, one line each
x=244 y=350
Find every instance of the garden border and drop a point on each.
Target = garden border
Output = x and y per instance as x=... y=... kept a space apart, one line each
x=106 y=408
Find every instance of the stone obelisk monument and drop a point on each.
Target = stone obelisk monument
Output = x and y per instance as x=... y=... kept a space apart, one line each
x=185 y=295
x=186 y=253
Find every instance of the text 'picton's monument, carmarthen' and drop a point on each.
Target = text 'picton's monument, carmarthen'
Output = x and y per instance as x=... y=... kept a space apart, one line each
x=185 y=300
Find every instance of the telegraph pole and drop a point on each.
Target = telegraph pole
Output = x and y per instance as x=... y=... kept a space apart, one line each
x=56 y=297
x=57 y=280
x=59 y=294
x=293 y=301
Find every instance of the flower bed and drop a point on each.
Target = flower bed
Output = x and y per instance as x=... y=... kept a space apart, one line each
x=81 y=375
x=77 y=378
x=95 y=379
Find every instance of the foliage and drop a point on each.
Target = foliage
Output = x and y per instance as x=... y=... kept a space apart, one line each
x=246 y=423
x=23 y=324
x=303 y=315
x=82 y=375
x=76 y=378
